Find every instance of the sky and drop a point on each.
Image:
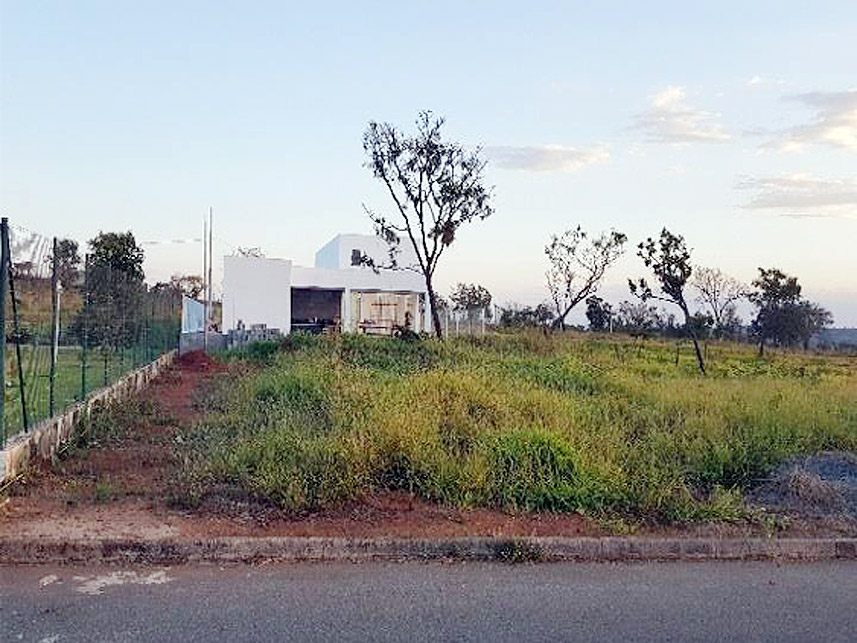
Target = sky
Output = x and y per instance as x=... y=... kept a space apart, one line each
x=733 y=124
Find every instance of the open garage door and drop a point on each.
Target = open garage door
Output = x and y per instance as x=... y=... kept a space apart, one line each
x=316 y=310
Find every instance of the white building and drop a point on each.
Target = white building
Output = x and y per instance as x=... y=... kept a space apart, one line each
x=338 y=292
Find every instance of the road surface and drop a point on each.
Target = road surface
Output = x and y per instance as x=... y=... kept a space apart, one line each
x=758 y=601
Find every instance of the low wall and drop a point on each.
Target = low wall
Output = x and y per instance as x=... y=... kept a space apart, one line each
x=43 y=440
x=196 y=342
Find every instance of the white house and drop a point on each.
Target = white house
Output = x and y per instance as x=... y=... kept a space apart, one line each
x=338 y=292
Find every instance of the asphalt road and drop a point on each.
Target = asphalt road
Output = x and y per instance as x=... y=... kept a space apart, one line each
x=432 y=602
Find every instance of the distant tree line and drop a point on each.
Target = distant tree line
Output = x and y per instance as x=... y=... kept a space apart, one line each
x=437 y=186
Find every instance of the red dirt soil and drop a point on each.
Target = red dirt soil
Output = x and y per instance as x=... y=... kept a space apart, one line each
x=120 y=489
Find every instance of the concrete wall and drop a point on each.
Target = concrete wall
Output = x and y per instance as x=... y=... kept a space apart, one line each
x=256 y=291
x=43 y=440
x=336 y=254
x=357 y=279
x=196 y=342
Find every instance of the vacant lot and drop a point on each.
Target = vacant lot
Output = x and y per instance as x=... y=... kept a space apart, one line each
x=609 y=427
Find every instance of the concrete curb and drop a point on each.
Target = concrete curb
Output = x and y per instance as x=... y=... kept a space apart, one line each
x=501 y=549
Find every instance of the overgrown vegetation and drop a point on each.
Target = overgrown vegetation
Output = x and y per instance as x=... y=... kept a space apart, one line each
x=610 y=427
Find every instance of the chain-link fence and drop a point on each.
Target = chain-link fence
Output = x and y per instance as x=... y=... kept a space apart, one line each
x=72 y=324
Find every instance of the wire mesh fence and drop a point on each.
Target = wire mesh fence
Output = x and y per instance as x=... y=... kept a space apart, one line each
x=476 y=322
x=72 y=324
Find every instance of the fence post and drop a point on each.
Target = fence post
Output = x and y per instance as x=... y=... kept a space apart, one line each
x=55 y=327
x=4 y=279
x=21 y=388
x=83 y=338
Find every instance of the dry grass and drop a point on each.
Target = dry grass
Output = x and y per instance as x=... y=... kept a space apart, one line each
x=601 y=425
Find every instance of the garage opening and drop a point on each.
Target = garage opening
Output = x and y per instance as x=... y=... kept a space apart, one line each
x=380 y=313
x=316 y=310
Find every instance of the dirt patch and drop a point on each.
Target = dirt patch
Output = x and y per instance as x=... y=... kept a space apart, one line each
x=198 y=362
x=393 y=514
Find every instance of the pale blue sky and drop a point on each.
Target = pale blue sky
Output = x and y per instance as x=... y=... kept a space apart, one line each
x=734 y=125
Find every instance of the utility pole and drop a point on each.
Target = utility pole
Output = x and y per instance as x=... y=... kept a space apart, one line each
x=205 y=283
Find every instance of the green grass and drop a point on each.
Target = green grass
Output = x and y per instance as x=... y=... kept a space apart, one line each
x=610 y=427
x=68 y=384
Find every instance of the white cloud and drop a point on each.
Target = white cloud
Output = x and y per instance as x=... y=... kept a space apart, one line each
x=756 y=81
x=835 y=122
x=546 y=158
x=802 y=195
x=669 y=119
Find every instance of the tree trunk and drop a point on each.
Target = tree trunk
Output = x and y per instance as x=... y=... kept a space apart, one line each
x=762 y=347
x=699 y=359
x=692 y=334
x=435 y=316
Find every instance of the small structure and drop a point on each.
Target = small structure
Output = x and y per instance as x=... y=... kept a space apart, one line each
x=339 y=294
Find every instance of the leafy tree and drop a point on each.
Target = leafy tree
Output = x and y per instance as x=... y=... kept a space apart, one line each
x=599 y=313
x=577 y=265
x=777 y=298
x=702 y=325
x=638 y=319
x=513 y=316
x=812 y=319
x=472 y=299
x=190 y=285
x=68 y=260
x=719 y=293
x=669 y=260
x=436 y=187
x=783 y=316
x=117 y=251
x=113 y=290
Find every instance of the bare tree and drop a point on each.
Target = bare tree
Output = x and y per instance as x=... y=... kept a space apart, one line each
x=669 y=260
x=577 y=265
x=436 y=186
x=719 y=293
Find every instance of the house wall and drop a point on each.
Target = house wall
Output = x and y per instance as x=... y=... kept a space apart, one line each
x=257 y=291
x=336 y=254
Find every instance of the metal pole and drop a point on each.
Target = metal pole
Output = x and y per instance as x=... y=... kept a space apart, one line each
x=4 y=279
x=55 y=327
x=21 y=387
x=86 y=313
x=210 y=315
x=205 y=283
x=105 y=345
